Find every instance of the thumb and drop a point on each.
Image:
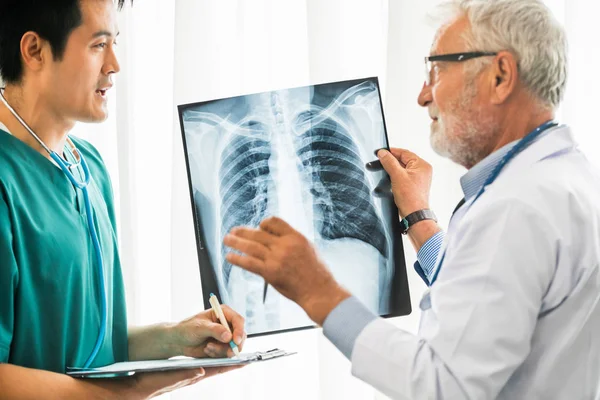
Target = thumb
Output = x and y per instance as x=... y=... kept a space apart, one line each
x=407 y=158
x=218 y=332
x=390 y=164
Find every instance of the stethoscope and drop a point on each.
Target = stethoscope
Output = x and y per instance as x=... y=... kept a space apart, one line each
x=519 y=147
x=65 y=166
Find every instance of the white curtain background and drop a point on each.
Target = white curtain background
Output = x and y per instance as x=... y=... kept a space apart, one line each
x=186 y=51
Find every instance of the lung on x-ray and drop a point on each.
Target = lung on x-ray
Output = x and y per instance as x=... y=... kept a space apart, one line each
x=299 y=154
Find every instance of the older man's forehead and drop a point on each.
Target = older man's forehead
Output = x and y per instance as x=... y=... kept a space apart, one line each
x=449 y=37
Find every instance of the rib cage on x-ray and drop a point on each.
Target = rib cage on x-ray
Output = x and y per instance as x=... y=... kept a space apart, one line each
x=267 y=144
x=246 y=188
x=245 y=183
x=342 y=198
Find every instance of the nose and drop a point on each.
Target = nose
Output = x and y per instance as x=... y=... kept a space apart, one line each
x=425 y=97
x=111 y=66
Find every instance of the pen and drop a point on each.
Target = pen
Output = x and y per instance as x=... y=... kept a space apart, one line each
x=216 y=307
x=265 y=292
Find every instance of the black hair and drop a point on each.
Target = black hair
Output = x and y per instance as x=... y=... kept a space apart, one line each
x=53 y=20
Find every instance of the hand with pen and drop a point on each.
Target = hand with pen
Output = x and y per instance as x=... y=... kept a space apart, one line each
x=202 y=335
x=205 y=335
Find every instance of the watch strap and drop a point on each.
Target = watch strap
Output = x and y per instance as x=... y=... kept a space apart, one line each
x=415 y=217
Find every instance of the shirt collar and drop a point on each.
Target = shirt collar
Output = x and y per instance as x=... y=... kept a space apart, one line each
x=472 y=181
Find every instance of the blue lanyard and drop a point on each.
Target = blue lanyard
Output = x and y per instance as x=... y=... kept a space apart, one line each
x=519 y=147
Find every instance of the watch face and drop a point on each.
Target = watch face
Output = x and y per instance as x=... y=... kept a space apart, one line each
x=403 y=225
x=306 y=155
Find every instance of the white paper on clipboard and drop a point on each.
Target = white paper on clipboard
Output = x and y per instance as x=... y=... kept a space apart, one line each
x=129 y=368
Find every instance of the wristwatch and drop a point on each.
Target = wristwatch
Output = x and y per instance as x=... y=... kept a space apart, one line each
x=415 y=217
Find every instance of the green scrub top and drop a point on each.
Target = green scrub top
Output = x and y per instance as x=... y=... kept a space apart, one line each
x=50 y=302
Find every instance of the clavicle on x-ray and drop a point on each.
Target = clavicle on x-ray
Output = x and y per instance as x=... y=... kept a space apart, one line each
x=298 y=154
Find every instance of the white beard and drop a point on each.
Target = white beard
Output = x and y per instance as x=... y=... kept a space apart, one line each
x=464 y=134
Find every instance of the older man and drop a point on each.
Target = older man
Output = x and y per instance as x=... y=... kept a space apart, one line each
x=513 y=305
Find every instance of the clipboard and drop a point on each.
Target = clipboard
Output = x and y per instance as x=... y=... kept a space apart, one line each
x=124 y=369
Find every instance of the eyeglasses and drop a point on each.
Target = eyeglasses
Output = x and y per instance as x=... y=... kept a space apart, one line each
x=454 y=57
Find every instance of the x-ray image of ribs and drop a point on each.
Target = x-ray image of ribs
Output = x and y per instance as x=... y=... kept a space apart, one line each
x=297 y=154
x=332 y=168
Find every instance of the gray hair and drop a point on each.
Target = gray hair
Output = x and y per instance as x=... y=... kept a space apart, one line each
x=528 y=30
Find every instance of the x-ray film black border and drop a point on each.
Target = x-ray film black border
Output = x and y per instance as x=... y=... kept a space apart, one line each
x=303 y=328
x=400 y=292
x=204 y=260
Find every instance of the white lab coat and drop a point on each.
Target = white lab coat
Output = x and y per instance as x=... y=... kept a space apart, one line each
x=515 y=311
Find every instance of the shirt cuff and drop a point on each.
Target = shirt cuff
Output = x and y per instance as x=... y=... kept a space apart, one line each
x=343 y=325
x=428 y=253
x=421 y=273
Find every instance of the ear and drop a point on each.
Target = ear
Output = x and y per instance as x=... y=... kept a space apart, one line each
x=505 y=77
x=34 y=51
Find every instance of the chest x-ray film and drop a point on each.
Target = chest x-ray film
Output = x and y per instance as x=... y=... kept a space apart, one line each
x=299 y=154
